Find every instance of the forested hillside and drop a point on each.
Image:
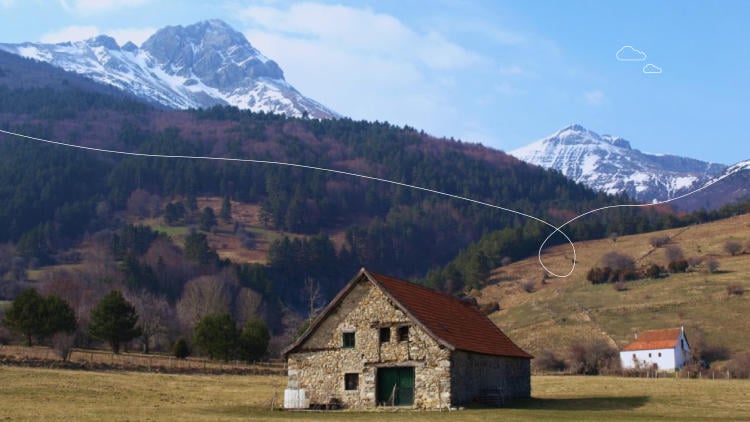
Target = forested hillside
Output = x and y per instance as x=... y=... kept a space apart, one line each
x=82 y=216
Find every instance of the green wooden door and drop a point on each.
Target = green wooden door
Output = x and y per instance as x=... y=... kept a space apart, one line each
x=395 y=386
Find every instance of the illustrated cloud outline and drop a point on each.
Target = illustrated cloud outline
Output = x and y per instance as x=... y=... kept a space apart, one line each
x=628 y=53
x=651 y=69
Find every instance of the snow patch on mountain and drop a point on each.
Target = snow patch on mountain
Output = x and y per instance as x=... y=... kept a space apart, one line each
x=200 y=65
x=610 y=164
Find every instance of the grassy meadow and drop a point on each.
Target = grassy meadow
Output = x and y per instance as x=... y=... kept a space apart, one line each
x=45 y=394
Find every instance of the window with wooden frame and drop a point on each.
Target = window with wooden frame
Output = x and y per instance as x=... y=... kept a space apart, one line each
x=351 y=382
x=403 y=333
x=385 y=334
x=348 y=340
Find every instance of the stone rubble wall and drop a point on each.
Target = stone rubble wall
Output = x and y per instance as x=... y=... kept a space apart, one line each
x=319 y=364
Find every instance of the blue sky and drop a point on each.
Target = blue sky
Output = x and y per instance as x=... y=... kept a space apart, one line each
x=503 y=73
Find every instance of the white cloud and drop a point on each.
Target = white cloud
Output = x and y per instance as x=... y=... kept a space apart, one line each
x=628 y=53
x=595 y=97
x=89 y=7
x=70 y=33
x=79 y=33
x=364 y=64
x=360 y=31
x=651 y=69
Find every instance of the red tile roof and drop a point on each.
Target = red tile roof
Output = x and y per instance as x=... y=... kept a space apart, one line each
x=655 y=339
x=455 y=323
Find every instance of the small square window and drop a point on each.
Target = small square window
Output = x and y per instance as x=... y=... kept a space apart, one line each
x=351 y=381
x=659 y=354
x=649 y=355
x=385 y=334
x=348 y=340
x=403 y=333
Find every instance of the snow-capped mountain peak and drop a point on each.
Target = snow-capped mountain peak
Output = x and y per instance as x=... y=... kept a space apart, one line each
x=609 y=163
x=200 y=65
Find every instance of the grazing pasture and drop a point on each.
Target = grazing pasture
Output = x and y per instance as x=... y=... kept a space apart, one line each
x=46 y=394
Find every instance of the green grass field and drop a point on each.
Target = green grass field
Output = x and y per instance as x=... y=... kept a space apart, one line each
x=44 y=394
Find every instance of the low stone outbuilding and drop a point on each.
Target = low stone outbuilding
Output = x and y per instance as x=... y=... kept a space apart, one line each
x=664 y=350
x=388 y=342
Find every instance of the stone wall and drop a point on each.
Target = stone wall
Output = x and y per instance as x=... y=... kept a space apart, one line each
x=474 y=375
x=318 y=365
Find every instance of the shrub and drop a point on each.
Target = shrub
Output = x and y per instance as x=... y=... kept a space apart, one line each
x=674 y=253
x=732 y=247
x=712 y=265
x=593 y=357
x=694 y=261
x=658 y=241
x=488 y=308
x=617 y=261
x=549 y=361
x=712 y=353
x=529 y=286
x=735 y=290
x=653 y=271
x=739 y=366
x=679 y=266
x=181 y=350
x=598 y=275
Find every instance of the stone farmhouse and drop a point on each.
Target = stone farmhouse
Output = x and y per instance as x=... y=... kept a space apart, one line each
x=665 y=350
x=388 y=342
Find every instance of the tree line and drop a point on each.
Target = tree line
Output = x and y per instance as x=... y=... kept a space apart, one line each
x=115 y=321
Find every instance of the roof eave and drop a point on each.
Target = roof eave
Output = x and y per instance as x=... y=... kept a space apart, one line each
x=323 y=314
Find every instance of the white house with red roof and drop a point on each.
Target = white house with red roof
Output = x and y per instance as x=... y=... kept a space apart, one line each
x=665 y=350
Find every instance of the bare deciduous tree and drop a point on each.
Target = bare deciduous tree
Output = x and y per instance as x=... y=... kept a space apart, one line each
x=154 y=316
x=248 y=305
x=658 y=241
x=617 y=261
x=732 y=247
x=313 y=298
x=673 y=253
x=205 y=295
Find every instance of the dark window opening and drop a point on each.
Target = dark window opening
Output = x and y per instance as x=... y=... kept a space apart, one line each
x=659 y=354
x=351 y=381
x=348 y=340
x=403 y=333
x=649 y=355
x=385 y=334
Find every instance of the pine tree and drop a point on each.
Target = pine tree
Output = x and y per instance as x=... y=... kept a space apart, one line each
x=226 y=210
x=254 y=339
x=114 y=320
x=26 y=315
x=216 y=335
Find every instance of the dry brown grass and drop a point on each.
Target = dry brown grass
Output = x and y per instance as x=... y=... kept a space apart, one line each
x=44 y=394
x=568 y=308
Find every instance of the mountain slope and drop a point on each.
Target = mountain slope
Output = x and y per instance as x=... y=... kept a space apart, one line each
x=559 y=311
x=731 y=186
x=197 y=66
x=609 y=164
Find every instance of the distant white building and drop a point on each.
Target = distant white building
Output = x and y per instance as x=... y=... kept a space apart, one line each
x=666 y=350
